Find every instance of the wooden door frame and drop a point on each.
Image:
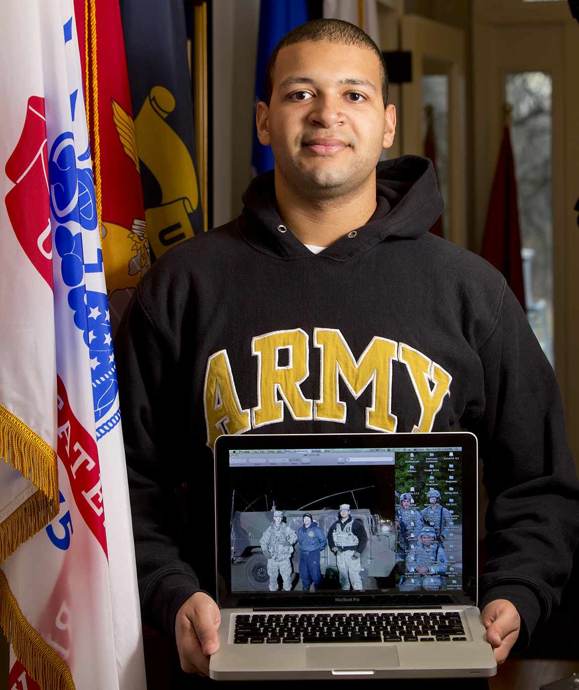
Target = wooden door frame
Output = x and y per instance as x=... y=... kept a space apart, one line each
x=430 y=40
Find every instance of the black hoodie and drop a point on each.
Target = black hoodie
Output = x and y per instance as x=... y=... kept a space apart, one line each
x=243 y=329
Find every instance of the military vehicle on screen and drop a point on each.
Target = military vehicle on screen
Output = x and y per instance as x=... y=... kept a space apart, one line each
x=249 y=565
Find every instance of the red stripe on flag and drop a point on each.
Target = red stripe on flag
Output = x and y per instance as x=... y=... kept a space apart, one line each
x=79 y=454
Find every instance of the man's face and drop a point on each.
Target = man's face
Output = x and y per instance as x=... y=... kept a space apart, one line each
x=433 y=500
x=326 y=121
x=344 y=514
x=277 y=520
x=427 y=539
x=405 y=503
x=307 y=522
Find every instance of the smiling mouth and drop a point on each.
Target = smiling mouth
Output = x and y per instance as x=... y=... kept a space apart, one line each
x=325 y=147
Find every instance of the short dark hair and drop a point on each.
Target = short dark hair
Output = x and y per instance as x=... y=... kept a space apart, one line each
x=334 y=31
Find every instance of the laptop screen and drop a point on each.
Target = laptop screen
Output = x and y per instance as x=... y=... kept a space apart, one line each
x=308 y=521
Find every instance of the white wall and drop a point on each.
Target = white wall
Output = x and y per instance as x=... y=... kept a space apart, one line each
x=235 y=27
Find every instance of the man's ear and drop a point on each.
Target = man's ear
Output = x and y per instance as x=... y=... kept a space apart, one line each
x=262 y=123
x=389 y=126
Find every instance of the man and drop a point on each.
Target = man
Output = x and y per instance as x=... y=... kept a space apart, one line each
x=409 y=524
x=277 y=545
x=311 y=541
x=387 y=328
x=347 y=539
x=436 y=515
x=425 y=563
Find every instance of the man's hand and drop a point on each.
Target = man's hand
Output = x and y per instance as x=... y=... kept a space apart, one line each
x=196 y=626
x=503 y=624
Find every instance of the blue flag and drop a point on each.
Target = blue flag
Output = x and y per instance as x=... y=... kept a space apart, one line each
x=156 y=46
x=276 y=18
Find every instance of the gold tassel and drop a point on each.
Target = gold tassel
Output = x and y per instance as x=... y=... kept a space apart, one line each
x=24 y=522
x=30 y=455
x=40 y=660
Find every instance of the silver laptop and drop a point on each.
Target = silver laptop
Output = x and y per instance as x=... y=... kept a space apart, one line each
x=348 y=556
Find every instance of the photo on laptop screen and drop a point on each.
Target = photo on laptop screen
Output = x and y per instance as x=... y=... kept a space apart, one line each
x=345 y=519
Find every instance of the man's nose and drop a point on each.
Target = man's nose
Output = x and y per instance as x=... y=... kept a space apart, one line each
x=326 y=112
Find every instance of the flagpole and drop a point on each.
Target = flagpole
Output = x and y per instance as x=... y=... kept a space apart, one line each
x=200 y=97
x=362 y=15
x=93 y=104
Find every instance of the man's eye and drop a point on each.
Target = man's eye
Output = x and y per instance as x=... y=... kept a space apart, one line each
x=355 y=97
x=300 y=96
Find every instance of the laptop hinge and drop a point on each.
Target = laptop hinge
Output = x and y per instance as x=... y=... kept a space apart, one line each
x=345 y=608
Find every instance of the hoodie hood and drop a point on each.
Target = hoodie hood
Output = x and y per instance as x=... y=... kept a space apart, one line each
x=408 y=205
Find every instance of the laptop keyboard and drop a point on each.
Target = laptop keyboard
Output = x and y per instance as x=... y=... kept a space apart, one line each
x=294 y=628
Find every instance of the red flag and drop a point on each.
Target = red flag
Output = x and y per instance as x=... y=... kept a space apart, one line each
x=116 y=162
x=502 y=235
x=430 y=152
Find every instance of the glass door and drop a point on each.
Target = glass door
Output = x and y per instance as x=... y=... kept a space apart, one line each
x=525 y=54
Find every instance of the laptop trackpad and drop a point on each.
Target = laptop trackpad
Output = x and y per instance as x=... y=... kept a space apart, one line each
x=355 y=658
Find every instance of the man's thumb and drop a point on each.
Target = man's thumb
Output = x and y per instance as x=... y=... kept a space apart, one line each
x=206 y=628
x=206 y=631
x=489 y=619
x=494 y=635
x=498 y=624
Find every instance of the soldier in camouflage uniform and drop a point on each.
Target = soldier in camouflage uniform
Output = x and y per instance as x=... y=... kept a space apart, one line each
x=347 y=538
x=409 y=525
x=437 y=516
x=425 y=563
x=277 y=545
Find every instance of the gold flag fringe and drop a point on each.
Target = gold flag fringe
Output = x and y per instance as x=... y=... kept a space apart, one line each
x=24 y=522
x=47 y=668
x=26 y=452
